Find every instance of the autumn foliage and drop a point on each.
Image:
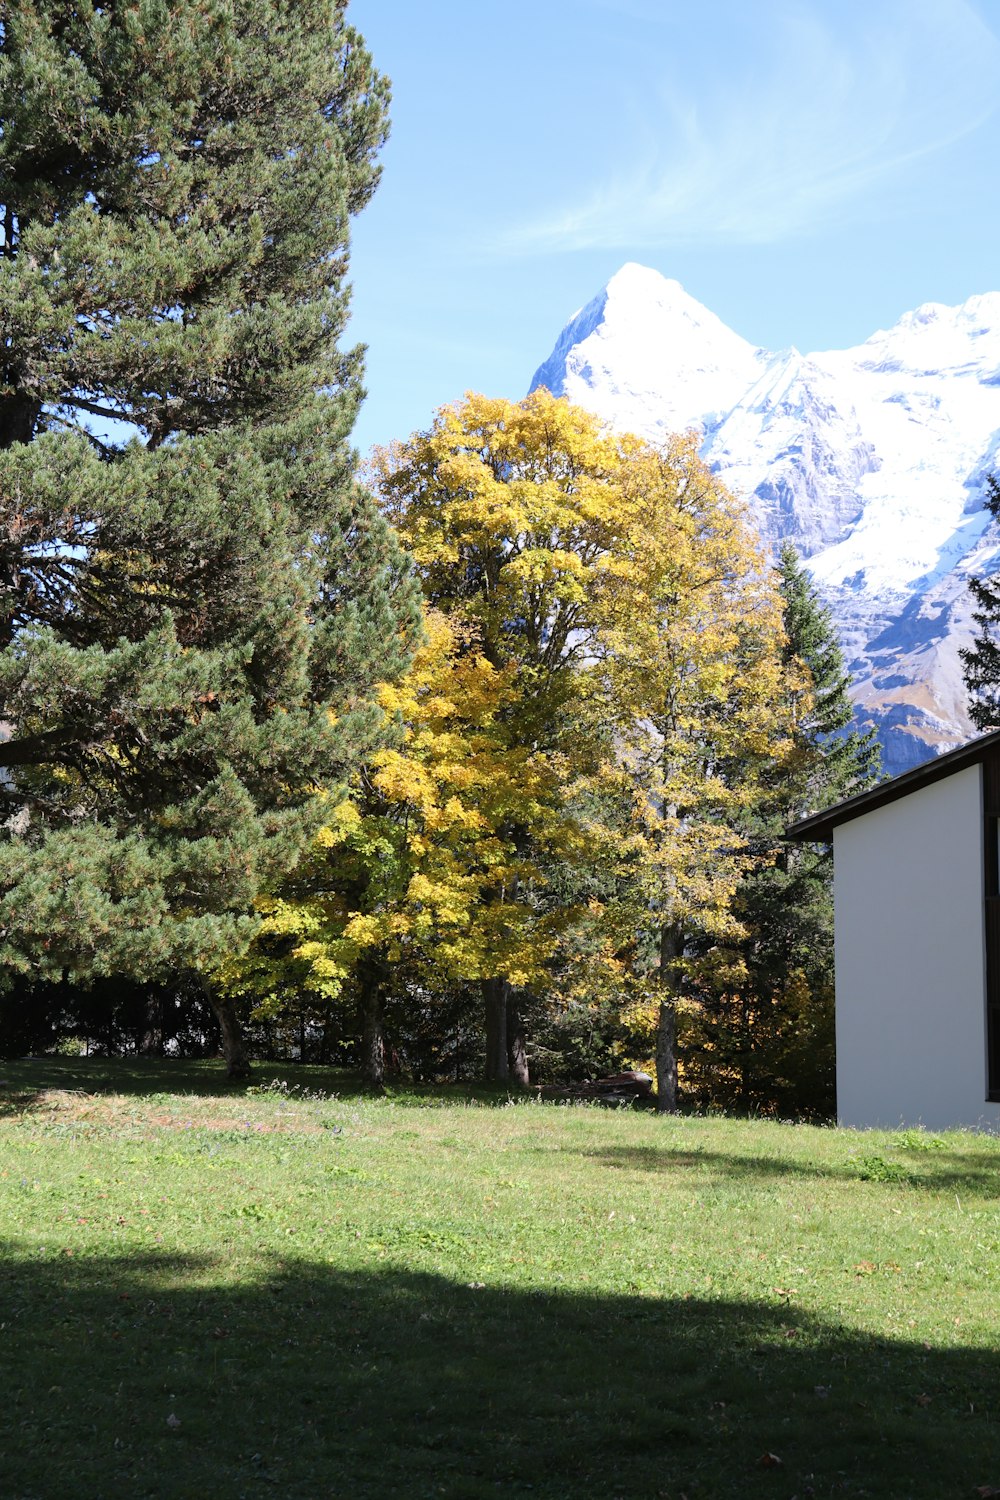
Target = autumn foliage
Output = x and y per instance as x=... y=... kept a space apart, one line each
x=602 y=688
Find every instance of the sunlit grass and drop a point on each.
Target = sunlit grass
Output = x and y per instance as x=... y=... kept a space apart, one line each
x=308 y=1292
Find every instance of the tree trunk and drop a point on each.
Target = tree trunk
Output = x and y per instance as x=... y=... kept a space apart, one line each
x=233 y=1047
x=671 y=948
x=18 y=415
x=517 y=1048
x=666 y=1057
x=371 y=978
x=496 y=994
x=151 y=1044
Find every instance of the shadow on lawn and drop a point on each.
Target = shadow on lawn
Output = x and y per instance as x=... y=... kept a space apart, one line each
x=972 y=1171
x=24 y=1077
x=141 y=1377
x=16 y=1101
x=142 y=1077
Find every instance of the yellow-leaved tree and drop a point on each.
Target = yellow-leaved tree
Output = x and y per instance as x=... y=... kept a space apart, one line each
x=618 y=588
x=418 y=880
x=693 y=676
x=508 y=510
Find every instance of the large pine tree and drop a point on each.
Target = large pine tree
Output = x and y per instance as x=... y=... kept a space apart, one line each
x=196 y=599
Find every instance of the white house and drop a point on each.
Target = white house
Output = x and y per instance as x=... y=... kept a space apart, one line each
x=917 y=943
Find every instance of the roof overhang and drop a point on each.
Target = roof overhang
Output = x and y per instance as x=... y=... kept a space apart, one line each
x=818 y=827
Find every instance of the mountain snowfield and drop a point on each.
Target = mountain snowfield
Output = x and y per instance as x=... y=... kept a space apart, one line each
x=870 y=460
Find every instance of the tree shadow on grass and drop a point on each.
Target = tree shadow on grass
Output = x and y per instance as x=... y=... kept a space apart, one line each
x=149 y=1377
x=137 y=1076
x=16 y=1101
x=974 y=1171
x=141 y=1077
x=670 y=1158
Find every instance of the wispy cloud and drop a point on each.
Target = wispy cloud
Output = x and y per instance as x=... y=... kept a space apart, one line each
x=830 y=103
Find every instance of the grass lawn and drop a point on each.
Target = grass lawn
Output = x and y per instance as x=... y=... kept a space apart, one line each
x=213 y=1293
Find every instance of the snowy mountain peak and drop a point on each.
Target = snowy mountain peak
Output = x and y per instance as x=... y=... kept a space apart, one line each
x=983 y=306
x=871 y=460
x=645 y=288
x=642 y=337
x=644 y=281
x=934 y=340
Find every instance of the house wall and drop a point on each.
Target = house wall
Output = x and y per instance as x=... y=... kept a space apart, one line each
x=911 y=966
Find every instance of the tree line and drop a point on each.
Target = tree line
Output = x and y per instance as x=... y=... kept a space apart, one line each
x=479 y=762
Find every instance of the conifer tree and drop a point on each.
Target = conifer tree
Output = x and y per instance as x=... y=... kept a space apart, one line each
x=196 y=599
x=982 y=659
x=837 y=761
x=766 y=1031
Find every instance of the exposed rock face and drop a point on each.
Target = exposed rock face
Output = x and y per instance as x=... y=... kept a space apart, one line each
x=870 y=460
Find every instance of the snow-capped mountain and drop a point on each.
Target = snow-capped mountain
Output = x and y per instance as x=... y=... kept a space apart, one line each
x=870 y=460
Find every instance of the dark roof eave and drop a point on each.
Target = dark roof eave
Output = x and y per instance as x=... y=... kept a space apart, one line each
x=818 y=827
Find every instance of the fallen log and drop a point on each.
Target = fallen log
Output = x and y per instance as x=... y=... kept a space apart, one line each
x=630 y=1087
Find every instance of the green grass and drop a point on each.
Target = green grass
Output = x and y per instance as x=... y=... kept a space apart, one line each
x=313 y=1294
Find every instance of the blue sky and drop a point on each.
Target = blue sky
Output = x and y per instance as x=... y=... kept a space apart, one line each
x=809 y=169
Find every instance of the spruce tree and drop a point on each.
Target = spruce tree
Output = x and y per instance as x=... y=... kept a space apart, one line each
x=196 y=599
x=982 y=660
x=768 y=1012
x=836 y=761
